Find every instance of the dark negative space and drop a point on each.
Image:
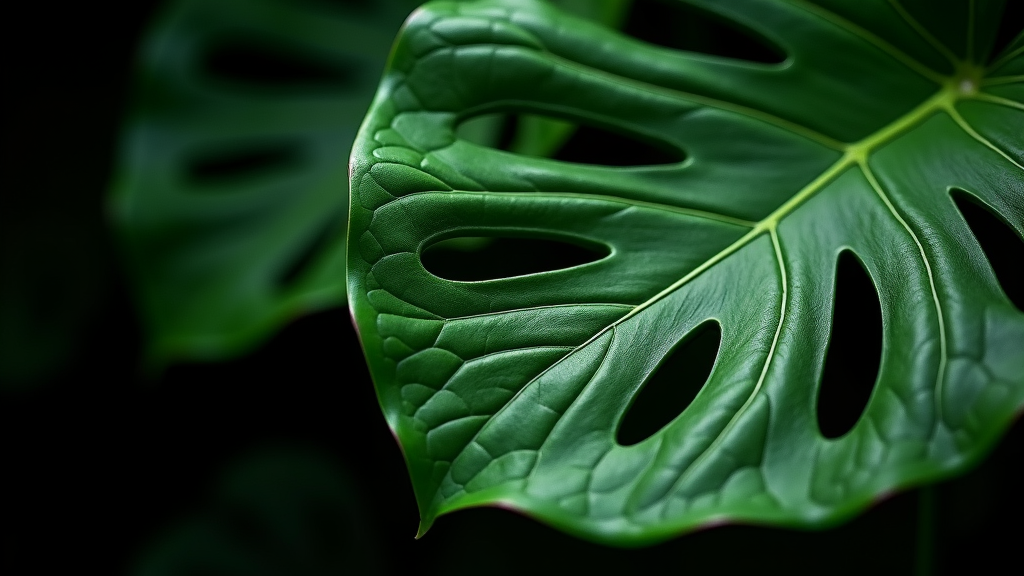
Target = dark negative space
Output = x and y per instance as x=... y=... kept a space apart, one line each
x=471 y=259
x=1003 y=248
x=1010 y=25
x=258 y=64
x=854 y=349
x=678 y=25
x=673 y=386
x=591 y=144
x=218 y=168
x=102 y=462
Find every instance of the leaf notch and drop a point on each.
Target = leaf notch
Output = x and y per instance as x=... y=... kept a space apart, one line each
x=854 y=355
x=673 y=385
x=1003 y=248
x=680 y=26
x=495 y=257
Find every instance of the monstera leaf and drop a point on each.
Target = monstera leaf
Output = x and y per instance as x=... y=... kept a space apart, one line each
x=230 y=194
x=510 y=391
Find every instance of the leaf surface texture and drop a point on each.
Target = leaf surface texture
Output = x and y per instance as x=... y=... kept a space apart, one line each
x=510 y=391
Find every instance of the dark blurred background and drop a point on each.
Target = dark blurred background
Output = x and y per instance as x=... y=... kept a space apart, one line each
x=109 y=471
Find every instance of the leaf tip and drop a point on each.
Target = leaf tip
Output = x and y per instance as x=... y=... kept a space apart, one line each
x=425 y=524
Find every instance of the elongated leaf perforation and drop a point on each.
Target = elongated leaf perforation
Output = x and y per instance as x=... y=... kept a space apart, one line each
x=593 y=145
x=673 y=385
x=454 y=56
x=567 y=140
x=854 y=349
x=1002 y=246
x=478 y=258
x=682 y=26
x=495 y=130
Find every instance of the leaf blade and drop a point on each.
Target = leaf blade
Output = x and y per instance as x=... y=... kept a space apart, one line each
x=748 y=448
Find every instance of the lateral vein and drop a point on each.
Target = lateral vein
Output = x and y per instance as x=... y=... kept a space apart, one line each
x=940 y=377
x=924 y=33
x=974 y=134
x=883 y=45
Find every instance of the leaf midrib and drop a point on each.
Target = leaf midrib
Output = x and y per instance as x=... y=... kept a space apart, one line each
x=855 y=154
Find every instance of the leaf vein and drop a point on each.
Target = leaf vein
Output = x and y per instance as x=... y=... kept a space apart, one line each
x=883 y=45
x=974 y=134
x=924 y=33
x=686 y=473
x=940 y=377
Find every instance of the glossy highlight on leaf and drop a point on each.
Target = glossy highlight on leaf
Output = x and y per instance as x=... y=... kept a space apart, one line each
x=510 y=391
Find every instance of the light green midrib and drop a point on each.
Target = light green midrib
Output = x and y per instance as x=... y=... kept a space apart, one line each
x=854 y=154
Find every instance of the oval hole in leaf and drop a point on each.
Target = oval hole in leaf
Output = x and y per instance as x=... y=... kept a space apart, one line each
x=1003 y=248
x=477 y=258
x=569 y=141
x=675 y=24
x=854 y=349
x=593 y=145
x=491 y=130
x=226 y=166
x=673 y=385
x=262 y=65
x=313 y=248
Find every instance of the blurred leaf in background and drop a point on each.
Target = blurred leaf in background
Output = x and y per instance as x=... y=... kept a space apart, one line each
x=231 y=191
x=57 y=273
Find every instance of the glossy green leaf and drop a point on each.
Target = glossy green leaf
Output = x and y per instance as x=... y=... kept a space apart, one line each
x=510 y=391
x=230 y=195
